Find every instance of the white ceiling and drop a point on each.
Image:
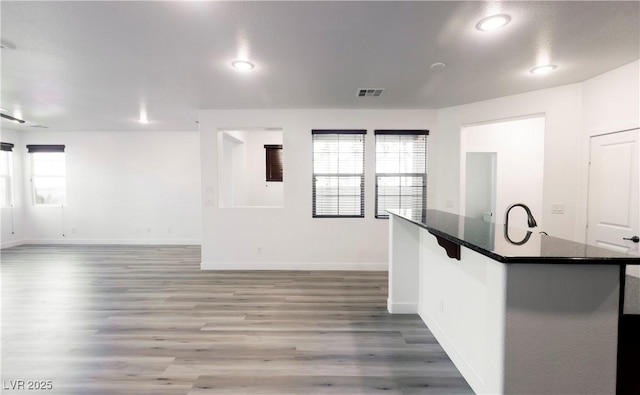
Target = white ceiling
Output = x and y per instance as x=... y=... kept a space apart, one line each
x=90 y=65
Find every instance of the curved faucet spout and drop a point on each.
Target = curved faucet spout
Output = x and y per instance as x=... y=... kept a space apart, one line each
x=530 y=220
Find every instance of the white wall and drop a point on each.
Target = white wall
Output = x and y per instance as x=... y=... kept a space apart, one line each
x=13 y=225
x=137 y=164
x=478 y=187
x=603 y=104
x=242 y=161
x=122 y=187
x=288 y=237
x=562 y=108
x=519 y=146
x=611 y=103
x=231 y=162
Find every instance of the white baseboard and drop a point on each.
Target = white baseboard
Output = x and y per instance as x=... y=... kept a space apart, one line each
x=383 y=266
x=474 y=379
x=402 y=308
x=14 y=243
x=113 y=242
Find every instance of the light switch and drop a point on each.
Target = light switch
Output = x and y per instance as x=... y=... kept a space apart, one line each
x=557 y=208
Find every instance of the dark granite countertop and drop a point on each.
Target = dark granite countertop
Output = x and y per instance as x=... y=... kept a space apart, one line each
x=515 y=246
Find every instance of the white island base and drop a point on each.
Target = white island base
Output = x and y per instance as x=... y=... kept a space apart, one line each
x=521 y=328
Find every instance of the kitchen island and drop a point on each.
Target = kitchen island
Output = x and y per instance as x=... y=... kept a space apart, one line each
x=518 y=312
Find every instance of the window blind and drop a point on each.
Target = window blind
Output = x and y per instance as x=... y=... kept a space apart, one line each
x=45 y=148
x=338 y=173
x=401 y=170
x=273 y=167
x=6 y=175
x=6 y=147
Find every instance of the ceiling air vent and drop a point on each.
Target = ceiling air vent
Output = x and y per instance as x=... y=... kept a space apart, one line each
x=371 y=92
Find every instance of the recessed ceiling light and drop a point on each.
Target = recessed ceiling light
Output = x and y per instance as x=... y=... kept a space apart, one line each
x=242 y=65
x=547 y=68
x=143 y=117
x=493 y=22
x=438 y=66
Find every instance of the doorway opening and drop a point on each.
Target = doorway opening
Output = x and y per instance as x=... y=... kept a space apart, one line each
x=502 y=163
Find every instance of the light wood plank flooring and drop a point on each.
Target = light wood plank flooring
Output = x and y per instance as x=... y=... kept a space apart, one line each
x=145 y=320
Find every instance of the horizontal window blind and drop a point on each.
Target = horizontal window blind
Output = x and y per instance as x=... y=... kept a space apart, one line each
x=273 y=167
x=6 y=147
x=401 y=170
x=45 y=148
x=338 y=173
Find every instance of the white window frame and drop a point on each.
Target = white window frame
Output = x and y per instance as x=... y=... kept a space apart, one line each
x=34 y=152
x=406 y=178
x=8 y=178
x=341 y=179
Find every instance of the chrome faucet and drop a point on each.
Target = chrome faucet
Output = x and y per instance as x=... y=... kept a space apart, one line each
x=530 y=220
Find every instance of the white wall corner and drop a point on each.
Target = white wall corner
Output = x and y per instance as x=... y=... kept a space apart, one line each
x=401 y=308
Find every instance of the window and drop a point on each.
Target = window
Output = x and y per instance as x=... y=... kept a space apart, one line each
x=6 y=175
x=401 y=170
x=338 y=173
x=48 y=174
x=274 y=162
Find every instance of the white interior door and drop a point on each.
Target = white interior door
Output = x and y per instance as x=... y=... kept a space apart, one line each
x=614 y=209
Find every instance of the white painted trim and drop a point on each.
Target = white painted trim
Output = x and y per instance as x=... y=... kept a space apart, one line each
x=402 y=308
x=615 y=127
x=113 y=242
x=377 y=266
x=9 y=244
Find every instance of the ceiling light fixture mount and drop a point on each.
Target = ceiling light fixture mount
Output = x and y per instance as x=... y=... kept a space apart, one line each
x=493 y=22
x=6 y=45
x=544 y=69
x=438 y=66
x=14 y=119
x=242 y=65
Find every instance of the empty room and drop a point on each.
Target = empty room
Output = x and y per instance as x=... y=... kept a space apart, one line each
x=320 y=197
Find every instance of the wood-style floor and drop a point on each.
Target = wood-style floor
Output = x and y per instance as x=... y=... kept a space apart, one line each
x=145 y=320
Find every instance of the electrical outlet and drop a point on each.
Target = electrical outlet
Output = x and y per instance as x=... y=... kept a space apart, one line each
x=557 y=208
x=259 y=250
x=169 y=230
x=148 y=230
x=73 y=230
